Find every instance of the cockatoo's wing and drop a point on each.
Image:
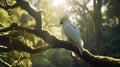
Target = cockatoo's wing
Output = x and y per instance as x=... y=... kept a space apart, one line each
x=73 y=34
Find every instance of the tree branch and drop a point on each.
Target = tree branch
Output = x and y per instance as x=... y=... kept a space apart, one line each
x=26 y=6
x=36 y=14
x=96 y=61
x=5 y=63
x=52 y=40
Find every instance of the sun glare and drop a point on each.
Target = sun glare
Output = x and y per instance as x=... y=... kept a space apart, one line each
x=58 y=2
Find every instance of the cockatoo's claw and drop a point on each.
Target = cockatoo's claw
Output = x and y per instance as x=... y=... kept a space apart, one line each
x=75 y=55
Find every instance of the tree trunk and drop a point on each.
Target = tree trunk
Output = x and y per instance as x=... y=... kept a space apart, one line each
x=97 y=17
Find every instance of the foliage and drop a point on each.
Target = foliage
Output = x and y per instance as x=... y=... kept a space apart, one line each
x=53 y=58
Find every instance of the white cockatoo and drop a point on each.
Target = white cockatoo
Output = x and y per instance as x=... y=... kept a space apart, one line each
x=71 y=32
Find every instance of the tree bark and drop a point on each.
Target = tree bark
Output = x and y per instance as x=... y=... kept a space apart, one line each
x=97 y=17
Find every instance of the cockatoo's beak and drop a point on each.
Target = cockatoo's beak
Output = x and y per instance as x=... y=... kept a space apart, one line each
x=61 y=22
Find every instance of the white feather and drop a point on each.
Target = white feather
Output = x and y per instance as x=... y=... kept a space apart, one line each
x=73 y=34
